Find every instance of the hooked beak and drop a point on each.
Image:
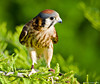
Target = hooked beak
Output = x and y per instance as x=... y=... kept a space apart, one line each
x=59 y=20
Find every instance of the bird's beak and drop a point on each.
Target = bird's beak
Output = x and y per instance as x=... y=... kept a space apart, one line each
x=59 y=20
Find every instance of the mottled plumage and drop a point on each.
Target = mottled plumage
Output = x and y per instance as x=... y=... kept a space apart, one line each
x=39 y=34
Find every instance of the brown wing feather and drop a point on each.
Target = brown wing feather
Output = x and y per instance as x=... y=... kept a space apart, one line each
x=23 y=35
x=27 y=29
x=55 y=37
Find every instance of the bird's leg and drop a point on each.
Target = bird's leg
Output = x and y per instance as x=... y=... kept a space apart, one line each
x=32 y=54
x=48 y=55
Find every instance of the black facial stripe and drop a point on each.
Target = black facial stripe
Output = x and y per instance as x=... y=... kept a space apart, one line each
x=37 y=21
x=51 y=24
x=43 y=22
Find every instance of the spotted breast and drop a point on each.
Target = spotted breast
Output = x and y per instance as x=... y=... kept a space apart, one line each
x=38 y=39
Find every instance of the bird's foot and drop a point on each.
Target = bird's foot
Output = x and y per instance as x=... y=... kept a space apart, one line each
x=32 y=71
x=60 y=74
x=52 y=70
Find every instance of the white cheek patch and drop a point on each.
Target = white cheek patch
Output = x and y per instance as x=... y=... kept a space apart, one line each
x=47 y=22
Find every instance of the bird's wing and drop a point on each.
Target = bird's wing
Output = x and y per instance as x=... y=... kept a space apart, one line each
x=55 y=37
x=23 y=35
x=29 y=27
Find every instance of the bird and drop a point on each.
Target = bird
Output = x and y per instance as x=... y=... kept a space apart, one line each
x=39 y=35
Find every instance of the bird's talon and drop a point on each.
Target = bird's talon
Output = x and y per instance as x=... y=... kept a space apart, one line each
x=52 y=70
x=60 y=74
x=33 y=71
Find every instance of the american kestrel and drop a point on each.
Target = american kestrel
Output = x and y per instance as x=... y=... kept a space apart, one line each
x=39 y=35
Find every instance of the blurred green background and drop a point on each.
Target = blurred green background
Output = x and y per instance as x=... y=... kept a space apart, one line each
x=78 y=48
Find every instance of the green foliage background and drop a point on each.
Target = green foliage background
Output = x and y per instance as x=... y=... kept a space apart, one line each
x=78 y=48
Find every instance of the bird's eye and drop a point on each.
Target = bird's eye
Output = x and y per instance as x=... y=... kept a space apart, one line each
x=51 y=18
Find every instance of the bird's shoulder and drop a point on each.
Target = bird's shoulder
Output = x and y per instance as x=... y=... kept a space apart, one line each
x=31 y=27
x=35 y=23
x=54 y=36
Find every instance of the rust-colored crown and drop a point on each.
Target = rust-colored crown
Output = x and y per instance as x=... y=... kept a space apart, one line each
x=48 y=11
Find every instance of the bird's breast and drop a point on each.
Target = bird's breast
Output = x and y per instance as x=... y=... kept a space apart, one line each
x=39 y=39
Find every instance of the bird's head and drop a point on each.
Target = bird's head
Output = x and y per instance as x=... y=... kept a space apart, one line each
x=49 y=18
